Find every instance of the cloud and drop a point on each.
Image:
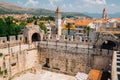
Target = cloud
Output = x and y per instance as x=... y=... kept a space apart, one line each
x=91 y=6
x=101 y=2
x=70 y=5
x=19 y=3
x=53 y=1
x=31 y=2
x=64 y=6
x=112 y=5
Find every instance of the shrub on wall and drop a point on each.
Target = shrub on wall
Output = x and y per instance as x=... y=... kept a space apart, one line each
x=3 y=72
x=1 y=54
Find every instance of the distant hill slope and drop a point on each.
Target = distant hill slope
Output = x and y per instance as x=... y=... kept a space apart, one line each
x=7 y=8
x=98 y=15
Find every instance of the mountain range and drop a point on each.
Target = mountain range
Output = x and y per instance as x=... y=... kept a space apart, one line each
x=8 y=8
x=98 y=15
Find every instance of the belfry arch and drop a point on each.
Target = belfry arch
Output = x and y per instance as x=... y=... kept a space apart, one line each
x=36 y=37
x=108 y=44
x=32 y=33
x=106 y=41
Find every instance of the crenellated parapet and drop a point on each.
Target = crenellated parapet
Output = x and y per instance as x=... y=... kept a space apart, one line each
x=11 y=39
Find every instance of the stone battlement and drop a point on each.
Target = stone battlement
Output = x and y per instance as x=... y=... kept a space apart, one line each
x=11 y=39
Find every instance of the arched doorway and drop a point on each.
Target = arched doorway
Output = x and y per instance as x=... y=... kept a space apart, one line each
x=108 y=45
x=35 y=37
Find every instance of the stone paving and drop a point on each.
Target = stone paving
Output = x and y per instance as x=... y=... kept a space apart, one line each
x=44 y=75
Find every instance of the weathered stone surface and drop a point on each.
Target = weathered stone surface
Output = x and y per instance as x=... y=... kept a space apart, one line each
x=12 y=39
x=65 y=62
x=3 y=39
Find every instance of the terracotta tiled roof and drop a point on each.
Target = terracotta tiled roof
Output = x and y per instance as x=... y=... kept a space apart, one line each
x=117 y=19
x=94 y=75
x=29 y=24
x=82 y=22
x=70 y=21
x=79 y=22
x=102 y=20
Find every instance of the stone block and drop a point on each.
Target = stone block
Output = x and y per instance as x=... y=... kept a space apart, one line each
x=77 y=38
x=20 y=38
x=3 y=39
x=12 y=39
x=62 y=38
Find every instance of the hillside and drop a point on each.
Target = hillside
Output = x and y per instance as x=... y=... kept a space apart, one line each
x=7 y=8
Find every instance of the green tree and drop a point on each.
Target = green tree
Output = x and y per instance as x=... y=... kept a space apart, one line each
x=9 y=19
x=30 y=20
x=42 y=18
x=9 y=26
x=68 y=26
x=50 y=18
x=43 y=27
x=3 y=29
x=21 y=26
x=11 y=29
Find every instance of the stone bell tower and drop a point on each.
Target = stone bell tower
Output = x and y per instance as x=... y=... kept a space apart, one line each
x=104 y=15
x=58 y=21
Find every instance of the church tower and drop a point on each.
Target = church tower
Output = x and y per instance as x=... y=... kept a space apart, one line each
x=104 y=15
x=58 y=21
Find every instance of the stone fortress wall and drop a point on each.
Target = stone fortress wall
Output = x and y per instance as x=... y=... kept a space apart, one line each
x=71 y=60
x=18 y=62
x=64 y=59
x=4 y=41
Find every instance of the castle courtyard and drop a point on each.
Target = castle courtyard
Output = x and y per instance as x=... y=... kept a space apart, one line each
x=44 y=75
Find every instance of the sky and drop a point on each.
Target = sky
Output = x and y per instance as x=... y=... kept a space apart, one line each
x=90 y=6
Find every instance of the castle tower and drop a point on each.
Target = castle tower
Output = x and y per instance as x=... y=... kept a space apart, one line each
x=104 y=15
x=58 y=21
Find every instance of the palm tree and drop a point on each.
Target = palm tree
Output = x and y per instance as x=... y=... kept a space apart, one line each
x=68 y=26
x=87 y=30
